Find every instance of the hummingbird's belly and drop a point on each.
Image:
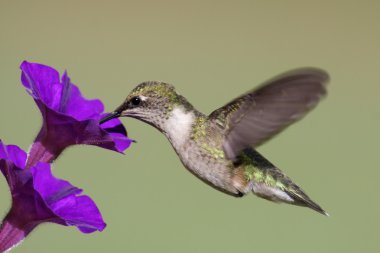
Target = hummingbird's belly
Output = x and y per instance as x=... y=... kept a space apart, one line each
x=213 y=170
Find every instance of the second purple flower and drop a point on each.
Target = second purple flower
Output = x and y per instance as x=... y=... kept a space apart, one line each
x=39 y=197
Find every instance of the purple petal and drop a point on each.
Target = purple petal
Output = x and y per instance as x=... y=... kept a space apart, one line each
x=13 y=153
x=80 y=108
x=61 y=197
x=39 y=80
x=117 y=132
x=43 y=83
x=80 y=211
x=16 y=155
x=3 y=153
x=50 y=188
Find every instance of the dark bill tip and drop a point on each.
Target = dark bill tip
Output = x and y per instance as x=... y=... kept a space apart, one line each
x=108 y=117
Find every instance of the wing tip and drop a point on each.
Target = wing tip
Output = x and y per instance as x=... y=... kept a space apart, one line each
x=311 y=75
x=320 y=74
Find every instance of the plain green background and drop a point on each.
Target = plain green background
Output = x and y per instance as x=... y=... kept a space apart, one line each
x=212 y=51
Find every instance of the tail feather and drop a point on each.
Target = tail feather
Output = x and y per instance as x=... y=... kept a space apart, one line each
x=301 y=199
x=269 y=182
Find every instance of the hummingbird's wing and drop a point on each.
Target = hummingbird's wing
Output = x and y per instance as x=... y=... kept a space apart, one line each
x=258 y=115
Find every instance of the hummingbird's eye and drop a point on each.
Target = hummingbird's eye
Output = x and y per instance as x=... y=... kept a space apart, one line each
x=135 y=101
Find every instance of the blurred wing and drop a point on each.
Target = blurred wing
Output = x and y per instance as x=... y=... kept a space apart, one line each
x=258 y=115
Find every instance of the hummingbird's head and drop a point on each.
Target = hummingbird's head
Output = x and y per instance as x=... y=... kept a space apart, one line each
x=150 y=102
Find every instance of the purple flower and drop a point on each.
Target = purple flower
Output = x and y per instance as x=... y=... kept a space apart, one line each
x=68 y=118
x=37 y=197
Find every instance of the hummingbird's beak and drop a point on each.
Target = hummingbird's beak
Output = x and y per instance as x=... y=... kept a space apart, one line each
x=110 y=116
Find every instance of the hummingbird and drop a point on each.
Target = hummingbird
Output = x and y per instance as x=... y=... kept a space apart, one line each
x=219 y=148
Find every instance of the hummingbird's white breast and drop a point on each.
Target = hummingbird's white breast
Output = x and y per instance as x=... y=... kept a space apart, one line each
x=178 y=126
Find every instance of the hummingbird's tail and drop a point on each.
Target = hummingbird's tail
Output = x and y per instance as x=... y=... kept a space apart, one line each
x=290 y=194
x=301 y=199
x=270 y=183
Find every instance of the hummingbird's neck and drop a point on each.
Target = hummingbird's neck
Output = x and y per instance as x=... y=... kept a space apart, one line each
x=178 y=127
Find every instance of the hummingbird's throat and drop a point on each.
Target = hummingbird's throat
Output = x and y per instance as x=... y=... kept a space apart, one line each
x=178 y=126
